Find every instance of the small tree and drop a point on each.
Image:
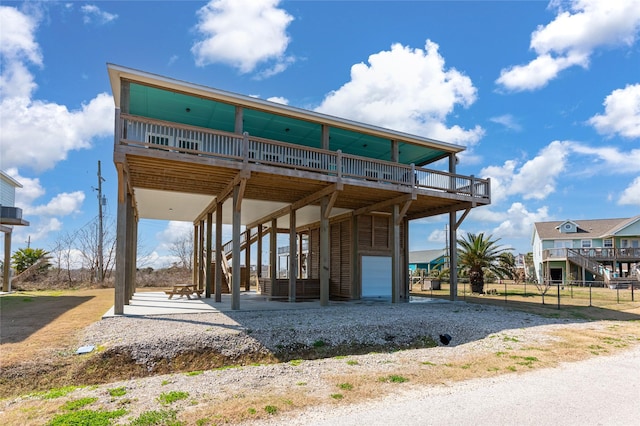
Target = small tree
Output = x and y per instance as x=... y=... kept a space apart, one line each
x=477 y=253
x=25 y=258
x=182 y=248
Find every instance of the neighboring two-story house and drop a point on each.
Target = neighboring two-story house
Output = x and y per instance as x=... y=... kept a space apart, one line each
x=10 y=216
x=187 y=152
x=605 y=250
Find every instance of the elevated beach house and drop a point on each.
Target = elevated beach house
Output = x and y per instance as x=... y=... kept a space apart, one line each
x=10 y=216
x=346 y=191
x=605 y=250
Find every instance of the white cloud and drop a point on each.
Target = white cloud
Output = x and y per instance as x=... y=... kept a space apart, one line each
x=508 y=121
x=607 y=159
x=279 y=99
x=621 y=113
x=38 y=134
x=518 y=221
x=408 y=90
x=17 y=46
x=62 y=204
x=631 y=195
x=174 y=232
x=571 y=38
x=243 y=34
x=536 y=179
x=92 y=13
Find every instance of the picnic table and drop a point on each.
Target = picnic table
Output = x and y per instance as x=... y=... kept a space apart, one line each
x=184 y=290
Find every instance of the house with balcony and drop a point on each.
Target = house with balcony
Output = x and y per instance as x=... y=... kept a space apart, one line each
x=10 y=216
x=340 y=191
x=605 y=250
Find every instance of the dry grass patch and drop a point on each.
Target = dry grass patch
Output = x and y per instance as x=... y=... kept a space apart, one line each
x=246 y=407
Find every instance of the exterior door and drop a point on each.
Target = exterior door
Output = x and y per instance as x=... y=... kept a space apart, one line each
x=376 y=276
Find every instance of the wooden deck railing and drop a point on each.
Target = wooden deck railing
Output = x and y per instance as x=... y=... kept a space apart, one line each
x=145 y=133
x=594 y=253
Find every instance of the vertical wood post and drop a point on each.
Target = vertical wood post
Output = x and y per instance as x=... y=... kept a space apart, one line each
x=395 y=254
x=219 y=259
x=293 y=255
x=209 y=281
x=6 y=270
x=235 y=259
x=259 y=253
x=453 y=257
x=247 y=259
x=324 y=252
x=273 y=253
x=121 y=253
x=194 y=268
x=201 y=262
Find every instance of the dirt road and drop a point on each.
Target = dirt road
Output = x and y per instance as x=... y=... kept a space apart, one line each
x=598 y=391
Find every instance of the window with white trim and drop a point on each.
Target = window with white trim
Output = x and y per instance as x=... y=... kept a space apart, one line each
x=585 y=243
x=607 y=243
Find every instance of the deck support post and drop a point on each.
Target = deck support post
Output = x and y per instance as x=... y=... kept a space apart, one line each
x=209 y=281
x=235 y=259
x=122 y=274
x=259 y=253
x=293 y=256
x=273 y=253
x=6 y=269
x=247 y=259
x=453 y=257
x=201 y=265
x=133 y=251
x=324 y=251
x=395 y=254
x=194 y=272
x=219 y=259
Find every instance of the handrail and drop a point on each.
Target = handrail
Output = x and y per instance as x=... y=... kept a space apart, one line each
x=174 y=137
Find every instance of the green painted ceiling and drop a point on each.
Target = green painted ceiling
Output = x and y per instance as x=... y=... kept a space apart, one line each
x=166 y=105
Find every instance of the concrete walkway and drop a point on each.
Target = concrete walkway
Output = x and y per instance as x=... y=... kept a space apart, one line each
x=158 y=303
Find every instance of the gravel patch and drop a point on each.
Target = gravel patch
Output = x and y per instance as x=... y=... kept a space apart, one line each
x=239 y=333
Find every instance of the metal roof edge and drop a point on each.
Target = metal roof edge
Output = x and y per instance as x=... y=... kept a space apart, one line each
x=117 y=72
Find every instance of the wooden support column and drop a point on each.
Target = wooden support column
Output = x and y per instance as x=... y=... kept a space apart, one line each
x=235 y=259
x=121 y=252
x=219 y=259
x=395 y=254
x=324 y=251
x=194 y=278
x=356 y=273
x=259 y=253
x=129 y=252
x=293 y=256
x=273 y=253
x=201 y=264
x=247 y=259
x=209 y=281
x=6 y=270
x=453 y=257
x=133 y=251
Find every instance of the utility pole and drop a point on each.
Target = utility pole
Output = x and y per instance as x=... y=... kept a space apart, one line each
x=100 y=276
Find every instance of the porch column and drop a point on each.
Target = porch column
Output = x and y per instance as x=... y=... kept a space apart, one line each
x=121 y=275
x=201 y=265
x=273 y=253
x=293 y=252
x=209 y=282
x=247 y=259
x=194 y=269
x=6 y=270
x=219 y=253
x=395 y=254
x=404 y=261
x=133 y=252
x=453 y=257
x=453 y=238
x=324 y=252
x=259 y=253
x=235 y=259
x=355 y=260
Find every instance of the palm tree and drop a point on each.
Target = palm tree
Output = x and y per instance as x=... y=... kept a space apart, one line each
x=477 y=253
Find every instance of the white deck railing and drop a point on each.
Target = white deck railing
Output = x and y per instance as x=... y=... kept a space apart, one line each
x=149 y=133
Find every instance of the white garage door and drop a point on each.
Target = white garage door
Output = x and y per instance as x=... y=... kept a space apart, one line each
x=376 y=276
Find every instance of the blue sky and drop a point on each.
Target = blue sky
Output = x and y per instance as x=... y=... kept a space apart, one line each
x=544 y=96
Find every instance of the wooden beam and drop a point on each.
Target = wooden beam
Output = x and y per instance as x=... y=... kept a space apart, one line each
x=309 y=199
x=235 y=259
x=459 y=222
x=403 y=211
x=218 y=253
x=331 y=202
x=243 y=186
x=383 y=204
x=239 y=178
